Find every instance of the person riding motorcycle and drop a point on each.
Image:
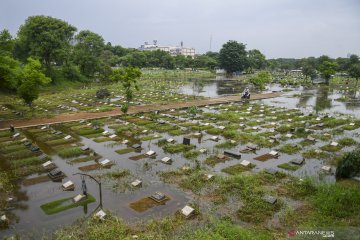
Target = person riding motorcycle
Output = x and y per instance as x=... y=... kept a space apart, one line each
x=246 y=93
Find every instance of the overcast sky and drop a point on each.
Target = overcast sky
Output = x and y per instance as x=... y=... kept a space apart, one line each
x=278 y=28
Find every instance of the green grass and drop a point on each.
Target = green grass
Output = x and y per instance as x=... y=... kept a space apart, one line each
x=237 y=168
x=213 y=160
x=88 y=131
x=60 y=141
x=344 y=198
x=347 y=141
x=289 y=149
x=191 y=154
x=26 y=162
x=330 y=148
x=5 y=134
x=118 y=174
x=60 y=205
x=226 y=145
x=288 y=166
x=19 y=154
x=125 y=150
x=176 y=148
x=70 y=152
x=311 y=153
x=150 y=137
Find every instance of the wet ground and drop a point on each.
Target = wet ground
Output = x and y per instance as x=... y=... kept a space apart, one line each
x=118 y=195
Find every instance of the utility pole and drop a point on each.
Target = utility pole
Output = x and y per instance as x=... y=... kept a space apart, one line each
x=98 y=182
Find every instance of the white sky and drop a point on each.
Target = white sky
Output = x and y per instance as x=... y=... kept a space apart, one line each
x=278 y=28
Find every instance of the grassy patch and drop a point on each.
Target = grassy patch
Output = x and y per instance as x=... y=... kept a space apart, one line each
x=227 y=144
x=64 y=204
x=330 y=148
x=70 y=152
x=191 y=154
x=125 y=150
x=237 y=168
x=312 y=153
x=347 y=141
x=176 y=148
x=150 y=137
x=118 y=174
x=289 y=148
x=213 y=160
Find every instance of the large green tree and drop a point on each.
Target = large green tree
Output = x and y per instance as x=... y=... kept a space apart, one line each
x=327 y=68
x=233 y=57
x=9 y=67
x=261 y=79
x=256 y=60
x=32 y=79
x=354 y=72
x=87 y=51
x=46 y=38
x=128 y=77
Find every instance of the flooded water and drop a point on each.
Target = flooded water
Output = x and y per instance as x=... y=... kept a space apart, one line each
x=118 y=196
x=317 y=99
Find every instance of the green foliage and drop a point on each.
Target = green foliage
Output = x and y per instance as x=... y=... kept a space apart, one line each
x=65 y=204
x=128 y=77
x=46 y=38
x=176 y=148
x=193 y=110
x=70 y=152
x=260 y=80
x=124 y=107
x=87 y=51
x=256 y=59
x=349 y=166
x=102 y=93
x=326 y=69
x=9 y=72
x=337 y=201
x=32 y=80
x=233 y=57
x=118 y=174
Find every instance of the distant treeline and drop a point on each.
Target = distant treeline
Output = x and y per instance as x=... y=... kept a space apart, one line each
x=68 y=54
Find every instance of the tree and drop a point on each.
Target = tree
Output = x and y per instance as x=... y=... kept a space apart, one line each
x=308 y=70
x=136 y=59
x=9 y=67
x=354 y=72
x=7 y=43
x=128 y=77
x=232 y=57
x=349 y=166
x=87 y=51
x=327 y=69
x=9 y=72
x=46 y=38
x=261 y=79
x=256 y=59
x=31 y=80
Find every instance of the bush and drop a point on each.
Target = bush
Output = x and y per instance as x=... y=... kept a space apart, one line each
x=349 y=166
x=102 y=93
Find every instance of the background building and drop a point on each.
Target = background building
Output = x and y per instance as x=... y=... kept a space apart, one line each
x=178 y=50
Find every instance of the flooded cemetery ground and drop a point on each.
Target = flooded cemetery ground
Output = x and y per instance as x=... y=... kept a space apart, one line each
x=192 y=159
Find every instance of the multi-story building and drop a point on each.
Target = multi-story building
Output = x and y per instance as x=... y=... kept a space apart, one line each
x=174 y=51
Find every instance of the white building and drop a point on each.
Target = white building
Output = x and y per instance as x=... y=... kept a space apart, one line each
x=174 y=51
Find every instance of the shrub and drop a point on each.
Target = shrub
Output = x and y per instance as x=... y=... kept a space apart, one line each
x=349 y=166
x=102 y=93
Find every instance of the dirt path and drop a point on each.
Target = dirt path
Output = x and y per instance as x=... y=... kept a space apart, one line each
x=69 y=117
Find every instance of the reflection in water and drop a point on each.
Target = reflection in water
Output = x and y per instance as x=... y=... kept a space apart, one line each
x=303 y=100
x=322 y=99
